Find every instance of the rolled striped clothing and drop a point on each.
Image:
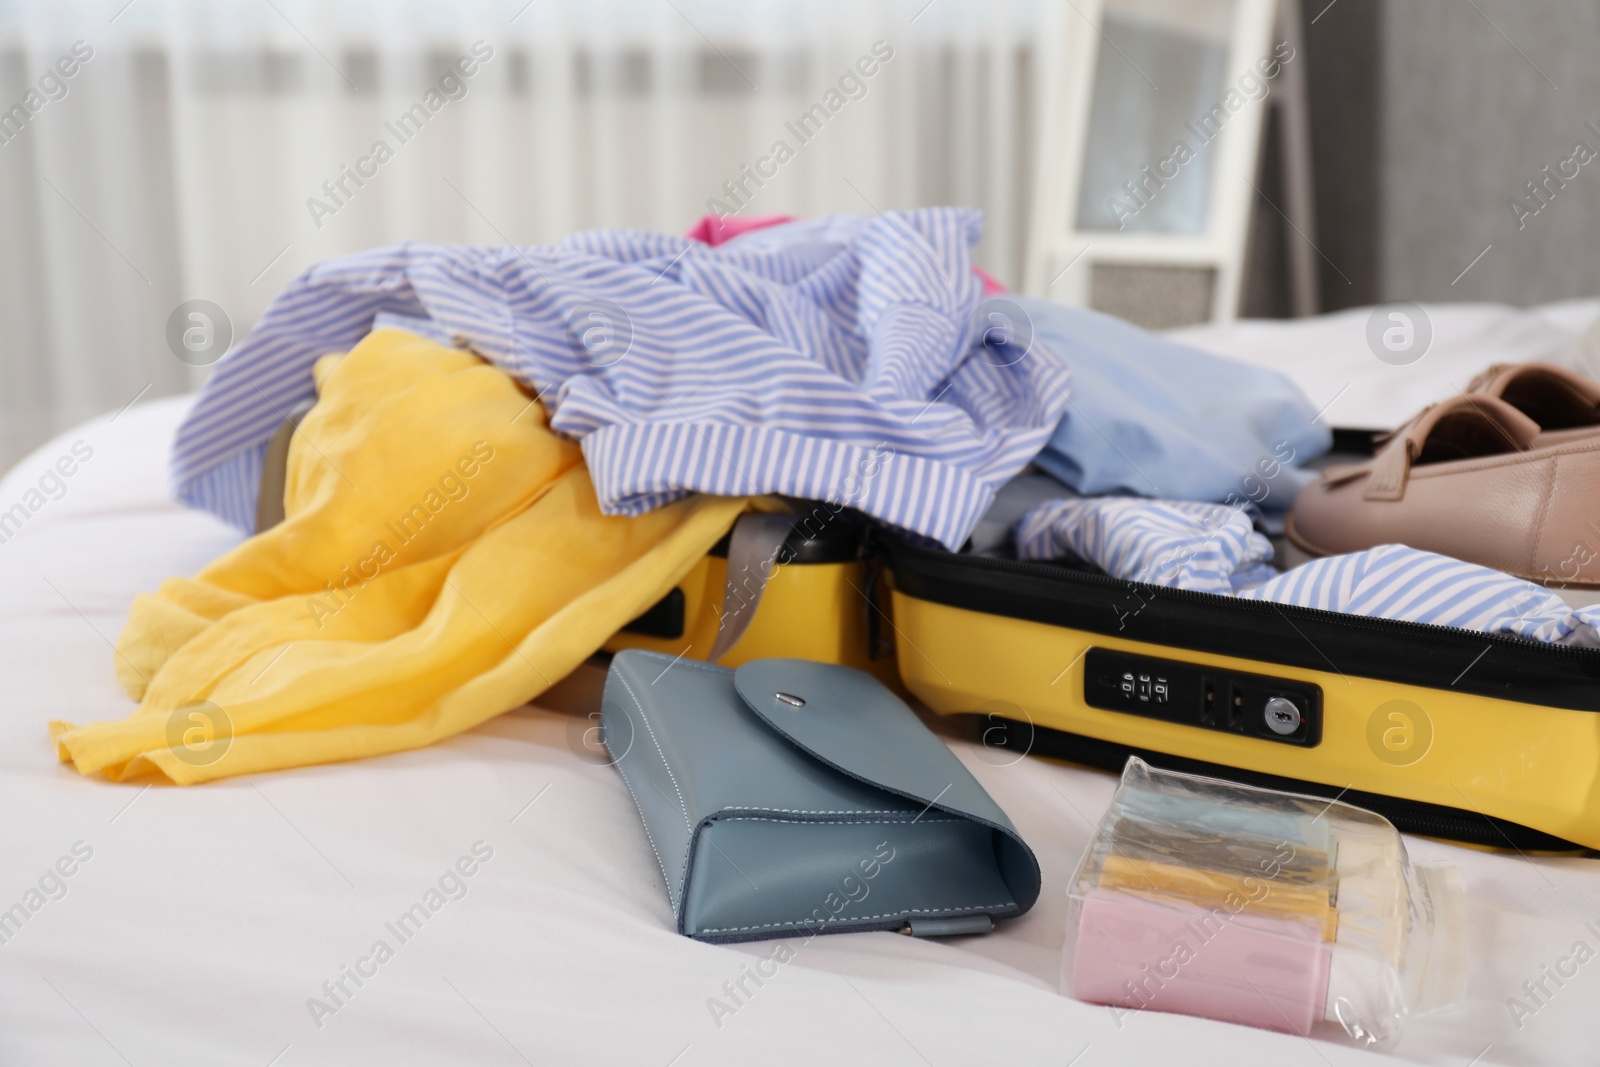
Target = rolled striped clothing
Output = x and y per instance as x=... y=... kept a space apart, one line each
x=846 y=358
x=1214 y=548
x=1180 y=544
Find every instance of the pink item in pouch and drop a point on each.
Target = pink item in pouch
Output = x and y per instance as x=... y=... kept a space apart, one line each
x=1258 y=970
x=715 y=229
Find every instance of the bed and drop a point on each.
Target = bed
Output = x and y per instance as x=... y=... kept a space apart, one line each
x=206 y=925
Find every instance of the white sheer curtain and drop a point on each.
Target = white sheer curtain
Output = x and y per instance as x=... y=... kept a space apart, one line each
x=180 y=160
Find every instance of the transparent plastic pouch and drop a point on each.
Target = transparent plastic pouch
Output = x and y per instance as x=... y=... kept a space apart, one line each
x=1252 y=906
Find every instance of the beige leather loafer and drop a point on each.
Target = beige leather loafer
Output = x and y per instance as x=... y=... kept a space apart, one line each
x=1564 y=404
x=1474 y=478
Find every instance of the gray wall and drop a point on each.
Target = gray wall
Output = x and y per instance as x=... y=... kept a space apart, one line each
x=1428 y=116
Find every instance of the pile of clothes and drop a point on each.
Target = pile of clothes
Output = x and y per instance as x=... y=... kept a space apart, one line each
x=515 y=451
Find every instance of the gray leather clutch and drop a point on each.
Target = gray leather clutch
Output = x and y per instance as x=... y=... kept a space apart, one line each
x=792 y=797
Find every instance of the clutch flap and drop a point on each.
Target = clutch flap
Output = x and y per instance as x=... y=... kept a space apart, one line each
x=851 y=722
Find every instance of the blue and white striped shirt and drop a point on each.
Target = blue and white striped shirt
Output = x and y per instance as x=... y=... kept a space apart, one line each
x=1213 y=548
x=839 y=358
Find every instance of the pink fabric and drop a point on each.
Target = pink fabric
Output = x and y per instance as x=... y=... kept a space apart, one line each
x=715 y=229
x=1259 y=970
x=991 y=285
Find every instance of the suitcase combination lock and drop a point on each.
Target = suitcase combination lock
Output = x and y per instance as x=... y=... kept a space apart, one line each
x=1284 y=710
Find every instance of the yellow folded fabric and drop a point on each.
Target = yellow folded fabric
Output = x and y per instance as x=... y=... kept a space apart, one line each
x=443 y=559
x=1209 y=889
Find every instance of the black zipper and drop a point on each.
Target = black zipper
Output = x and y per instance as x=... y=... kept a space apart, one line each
x=1397 y=627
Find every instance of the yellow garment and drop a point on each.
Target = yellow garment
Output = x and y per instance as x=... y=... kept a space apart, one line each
x=1211 y=889
x=443 y=559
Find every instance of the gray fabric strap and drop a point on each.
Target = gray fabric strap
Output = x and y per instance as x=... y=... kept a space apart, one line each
x=753 y=552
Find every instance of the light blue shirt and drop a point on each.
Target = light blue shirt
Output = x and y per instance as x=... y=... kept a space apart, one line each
x=1161 y=419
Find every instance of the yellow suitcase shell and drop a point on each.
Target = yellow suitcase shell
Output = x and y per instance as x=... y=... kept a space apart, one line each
x=816 y=606
x=1490 y=740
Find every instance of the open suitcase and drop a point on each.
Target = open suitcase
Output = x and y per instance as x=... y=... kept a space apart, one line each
x=1486 y=739
x=1480 y=738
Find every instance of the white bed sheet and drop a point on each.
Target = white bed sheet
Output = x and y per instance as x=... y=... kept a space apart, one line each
x=206 y=917
x=1329 y=358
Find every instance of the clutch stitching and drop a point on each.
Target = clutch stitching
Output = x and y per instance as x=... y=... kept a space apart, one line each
x=642 y=822
x=853 y=918
x=682 y=807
